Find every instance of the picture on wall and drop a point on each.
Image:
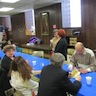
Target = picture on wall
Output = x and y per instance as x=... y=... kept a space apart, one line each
x=45 y=23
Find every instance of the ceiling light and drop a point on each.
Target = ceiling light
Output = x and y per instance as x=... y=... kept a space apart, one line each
x=5 y=9
x=9 y=1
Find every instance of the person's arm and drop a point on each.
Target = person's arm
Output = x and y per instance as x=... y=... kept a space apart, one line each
x=34 y=86
x=70 y=87
x=35 y=72
x=92 y=64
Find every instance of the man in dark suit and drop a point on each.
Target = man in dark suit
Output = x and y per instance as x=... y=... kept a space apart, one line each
x=54 y=80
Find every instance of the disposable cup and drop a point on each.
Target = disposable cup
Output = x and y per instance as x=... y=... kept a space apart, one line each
x=34 y=63
x=88 y=80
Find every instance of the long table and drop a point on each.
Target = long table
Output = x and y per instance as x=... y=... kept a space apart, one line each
x=86 y=90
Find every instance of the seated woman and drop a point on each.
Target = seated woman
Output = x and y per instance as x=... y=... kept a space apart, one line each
x=21 y=80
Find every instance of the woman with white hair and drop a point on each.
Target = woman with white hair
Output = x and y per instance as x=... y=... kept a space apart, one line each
x=54 y=80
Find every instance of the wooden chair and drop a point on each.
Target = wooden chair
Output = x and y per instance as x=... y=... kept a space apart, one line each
x=38 y=53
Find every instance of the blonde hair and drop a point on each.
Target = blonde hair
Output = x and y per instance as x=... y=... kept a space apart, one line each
x=8 y=47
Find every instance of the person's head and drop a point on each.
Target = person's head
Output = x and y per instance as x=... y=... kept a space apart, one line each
x=61 y=33
x=9 y=50
x=55 y=33
x=79 y=47
x=57 y=59
x=10 y=42
x=20 y=65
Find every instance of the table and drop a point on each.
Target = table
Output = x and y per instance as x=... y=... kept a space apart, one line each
x=86 y=90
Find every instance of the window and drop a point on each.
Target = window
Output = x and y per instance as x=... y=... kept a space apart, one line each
x=71 y=13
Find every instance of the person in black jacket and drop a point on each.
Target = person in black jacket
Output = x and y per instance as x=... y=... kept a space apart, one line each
x=54 y=80
x=5 y=65
x=4 y=82
x=9 y=56
x=61 y=46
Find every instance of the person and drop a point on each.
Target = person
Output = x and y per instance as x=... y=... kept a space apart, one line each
x=4 y=43
x=54 y=80
x=9 y=56
x=10 y=42
x=5 y=65
x=55 y=39
x=61 y=46
x=84 y=58
x=4 y=82
x=21 y=79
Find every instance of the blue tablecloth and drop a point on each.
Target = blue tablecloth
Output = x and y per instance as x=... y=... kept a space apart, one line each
x=86 y=90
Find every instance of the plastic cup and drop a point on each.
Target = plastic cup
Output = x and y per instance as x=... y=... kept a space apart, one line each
x=42 y=64
x=88 y=80
x=34 y=63
x=70 y=67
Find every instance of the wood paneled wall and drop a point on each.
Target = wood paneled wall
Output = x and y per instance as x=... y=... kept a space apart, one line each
x=89 y=23
x=18 y=28
x=18 y=24
x=54 y=18
x=88 y=30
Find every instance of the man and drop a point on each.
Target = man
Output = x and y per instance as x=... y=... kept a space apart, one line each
x=84 y=58
x=54 y=80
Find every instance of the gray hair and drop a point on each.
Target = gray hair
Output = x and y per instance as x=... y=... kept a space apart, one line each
x=57 y=59
x=55 y=30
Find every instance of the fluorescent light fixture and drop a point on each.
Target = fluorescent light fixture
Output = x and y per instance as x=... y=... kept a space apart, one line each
x=9 y=1
x=5 y=9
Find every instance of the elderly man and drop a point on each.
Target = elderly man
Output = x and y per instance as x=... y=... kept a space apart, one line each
x=54 y=80
x=84 y=58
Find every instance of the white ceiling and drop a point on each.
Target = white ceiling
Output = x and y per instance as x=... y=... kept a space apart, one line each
x=23 y=5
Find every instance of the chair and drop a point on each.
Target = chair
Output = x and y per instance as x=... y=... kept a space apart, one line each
x=38 y=53
x=18 y=49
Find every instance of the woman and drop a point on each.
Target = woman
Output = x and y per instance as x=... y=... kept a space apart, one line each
x=54 y=40
x=21 y=77
x=5 y=65
x=9 y=56
x=61 y=46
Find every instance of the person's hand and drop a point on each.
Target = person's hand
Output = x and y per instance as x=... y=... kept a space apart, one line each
x=69 y=75
x=84 y=71
x=78 y=78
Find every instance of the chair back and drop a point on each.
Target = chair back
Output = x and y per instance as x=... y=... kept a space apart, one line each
x=18 y=49
x=38 y=53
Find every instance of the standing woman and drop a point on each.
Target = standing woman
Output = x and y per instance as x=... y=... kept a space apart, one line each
x=54 y=40
x=21 y=77
x=61 y=46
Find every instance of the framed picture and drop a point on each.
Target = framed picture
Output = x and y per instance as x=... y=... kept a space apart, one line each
x=45 y=23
